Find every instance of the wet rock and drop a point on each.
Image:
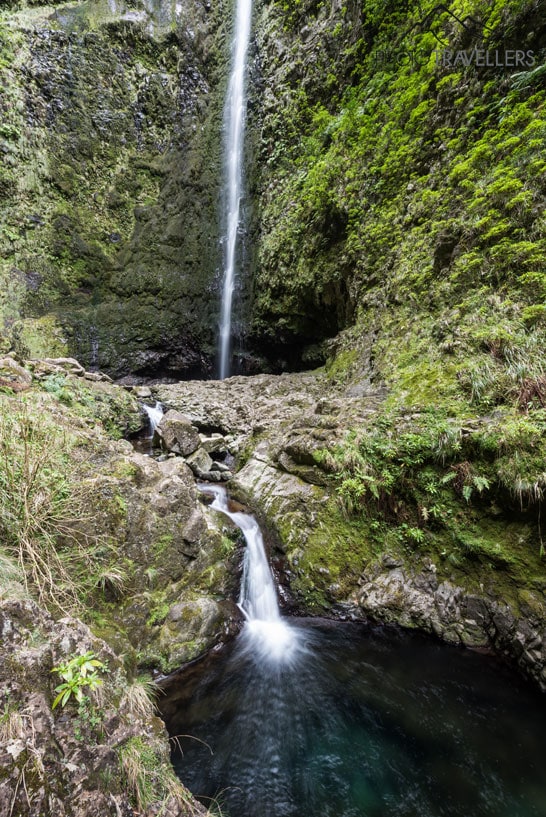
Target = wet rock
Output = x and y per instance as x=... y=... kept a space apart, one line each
x=189 y=628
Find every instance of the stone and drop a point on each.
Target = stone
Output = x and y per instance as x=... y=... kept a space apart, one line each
x=142 y=392
x=69 y=364
x=177 y=433
x=219 y=466
x=13 y=375
x=200 y=463
x=97 y=377
x=214 y=444
x=189 y=628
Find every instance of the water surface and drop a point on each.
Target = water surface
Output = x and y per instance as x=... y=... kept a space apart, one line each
x=361 y=722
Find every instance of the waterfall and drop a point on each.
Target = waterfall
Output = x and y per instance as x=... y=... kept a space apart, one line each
x=234 y=118
x=265 y=631
x=155 y=413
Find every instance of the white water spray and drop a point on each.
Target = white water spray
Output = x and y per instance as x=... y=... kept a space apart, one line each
x=234 y=115
x=265 y=631
x=155 y=413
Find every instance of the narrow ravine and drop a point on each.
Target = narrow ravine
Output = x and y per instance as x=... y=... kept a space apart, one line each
x=298 y=717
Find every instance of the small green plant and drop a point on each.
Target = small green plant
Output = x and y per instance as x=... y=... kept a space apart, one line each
x=139 y=698
x=78 y=674
x=90 y=720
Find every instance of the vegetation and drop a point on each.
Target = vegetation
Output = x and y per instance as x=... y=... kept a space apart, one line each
x=402 y=201
x=150 y=777
x=45 y=546
x=78 y=674
x=404 y=189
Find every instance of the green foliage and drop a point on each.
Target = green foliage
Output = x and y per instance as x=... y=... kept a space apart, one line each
x=79 y=674
x=46 y=550
x=57 y=384
x=404 y=193
x=36 y=504
x=425 y=480
x=90 y=719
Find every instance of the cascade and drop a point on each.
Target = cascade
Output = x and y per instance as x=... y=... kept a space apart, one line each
x=234 y=127
x=265 y=632
x=155 y=413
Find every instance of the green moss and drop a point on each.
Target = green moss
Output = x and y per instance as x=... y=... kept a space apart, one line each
x=339 y=366
x=398 y=193
x=331 y=560
x=162 y=543
x=84 y=199
x=158 y=615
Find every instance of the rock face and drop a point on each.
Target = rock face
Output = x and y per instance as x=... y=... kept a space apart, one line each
x=173 y=553
x=112 y=121
x=70 y=760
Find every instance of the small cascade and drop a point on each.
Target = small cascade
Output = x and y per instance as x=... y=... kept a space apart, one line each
x=234 y=117
x=155 y=413
x=265 y=631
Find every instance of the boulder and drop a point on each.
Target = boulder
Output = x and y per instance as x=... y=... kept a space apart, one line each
x=200 y=463
x=13 y=375
x=214 y=444
x=69 y=364
x=177 y=433
x=189 y=629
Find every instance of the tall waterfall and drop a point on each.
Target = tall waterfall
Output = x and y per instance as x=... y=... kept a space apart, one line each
x=265 y=632
x=234 y=118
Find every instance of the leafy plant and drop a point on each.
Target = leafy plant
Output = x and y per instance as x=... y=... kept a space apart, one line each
x=78 y=674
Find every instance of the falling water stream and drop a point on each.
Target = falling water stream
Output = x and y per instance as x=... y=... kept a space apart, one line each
x=313 y=718
x=234 y=116
x=155 y=413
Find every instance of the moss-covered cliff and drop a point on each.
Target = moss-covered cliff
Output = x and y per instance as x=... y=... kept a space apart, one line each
x=401 y=189
x=111 y=122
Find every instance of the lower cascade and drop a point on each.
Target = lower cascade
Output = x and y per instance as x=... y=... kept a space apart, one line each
x=265 y=631
x=316 y=718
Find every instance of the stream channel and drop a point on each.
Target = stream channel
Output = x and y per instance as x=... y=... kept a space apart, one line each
x=315 y=718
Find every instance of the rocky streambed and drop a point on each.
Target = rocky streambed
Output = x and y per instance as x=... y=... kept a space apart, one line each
x=277 y=427
x=164 y=567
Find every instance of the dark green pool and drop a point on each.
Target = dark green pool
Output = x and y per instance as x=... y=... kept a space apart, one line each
x=362 y=722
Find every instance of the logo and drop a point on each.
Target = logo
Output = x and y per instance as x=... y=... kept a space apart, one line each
x=445 y=56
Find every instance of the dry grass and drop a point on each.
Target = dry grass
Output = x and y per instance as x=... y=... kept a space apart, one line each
x=150 y=778
x=41 y=511
x=139 y=699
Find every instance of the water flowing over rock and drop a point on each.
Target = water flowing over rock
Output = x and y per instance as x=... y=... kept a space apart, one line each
x=264 y=633
x=234 y=115
x=283 y=424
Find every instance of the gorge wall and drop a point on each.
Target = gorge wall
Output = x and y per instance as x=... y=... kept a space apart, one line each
x=111 y=121
x=400 y=189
